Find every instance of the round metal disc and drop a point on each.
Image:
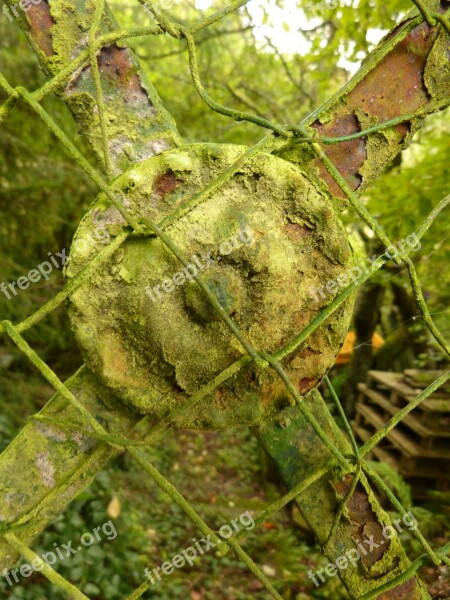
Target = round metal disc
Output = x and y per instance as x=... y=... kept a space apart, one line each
x=263 y=242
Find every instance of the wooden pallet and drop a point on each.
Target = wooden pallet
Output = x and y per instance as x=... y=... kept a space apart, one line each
x=438 y=401
x=415 y=466
x=421 y=477
x=431 y=433
x=419 y=446
x=401 y=436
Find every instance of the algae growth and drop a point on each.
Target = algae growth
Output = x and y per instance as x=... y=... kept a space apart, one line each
x=146 y=328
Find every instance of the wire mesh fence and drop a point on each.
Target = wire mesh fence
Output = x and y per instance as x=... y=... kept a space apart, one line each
x=354 y=464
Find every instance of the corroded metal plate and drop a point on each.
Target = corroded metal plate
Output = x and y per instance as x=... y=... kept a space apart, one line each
x=263 y=242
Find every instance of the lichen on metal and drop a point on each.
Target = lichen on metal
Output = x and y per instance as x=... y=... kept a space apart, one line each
x=58 y=464
x=138 y=124
x=155 y=349
x=416 y=59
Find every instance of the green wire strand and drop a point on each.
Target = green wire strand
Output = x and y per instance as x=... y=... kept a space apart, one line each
x=99 y=8
x=89 y=57
x=54 y=577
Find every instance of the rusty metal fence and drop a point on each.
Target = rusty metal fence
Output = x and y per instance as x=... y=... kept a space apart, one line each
x=354 y=464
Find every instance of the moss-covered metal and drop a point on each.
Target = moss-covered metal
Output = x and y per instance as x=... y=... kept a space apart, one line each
x=56 y=465
x=155 y=349
x=294 y=446
x=137 y=124
x=411 y=64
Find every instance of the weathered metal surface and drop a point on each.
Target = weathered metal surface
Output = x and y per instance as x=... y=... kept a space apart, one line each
x=405 y=80
x=365 y=522
x=394 y=87
x=298 y=453
x=347 y=156
x=138 y=125
x=56 y=465
x=41 y=22
x=163 y=340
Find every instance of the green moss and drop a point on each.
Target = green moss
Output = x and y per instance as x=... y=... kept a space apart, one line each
x=55 y=465
x=156 y=349
x=437 y=71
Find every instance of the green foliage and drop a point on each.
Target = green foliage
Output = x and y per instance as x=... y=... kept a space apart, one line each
x=43 y=196
x=412 y=190
x=99 y=570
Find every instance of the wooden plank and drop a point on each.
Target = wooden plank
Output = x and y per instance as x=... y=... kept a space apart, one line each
x=433 y=472
x=420 y=486
x=398 y=438
x=410 y=420
x=421 y=379
x=436 y=406
x=428 y=471
x=395 y=381
x=377 y=423
x=436 y=402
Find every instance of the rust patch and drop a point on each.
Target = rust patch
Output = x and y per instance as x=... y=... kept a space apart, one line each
x=347 y=156
x=394 y=87
x=306 y=384
x=308 y=352
x=408 y=590
x=366 y=527
x=41 y=22
x=166 y=183
x=365 y=524
x=295 y=231
x=117 y=64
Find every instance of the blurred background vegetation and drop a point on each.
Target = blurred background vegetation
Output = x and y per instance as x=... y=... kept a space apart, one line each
x=279 y=60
